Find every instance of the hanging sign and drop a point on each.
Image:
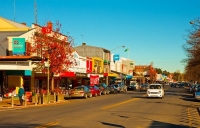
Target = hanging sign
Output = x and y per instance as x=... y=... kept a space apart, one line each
x=94 y=79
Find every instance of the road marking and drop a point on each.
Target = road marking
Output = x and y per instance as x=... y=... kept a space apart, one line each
x=48 y=125
x=189 y=118
x=117 y=104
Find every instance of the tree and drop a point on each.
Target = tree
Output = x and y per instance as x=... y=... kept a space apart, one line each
x=152 y=74
x=192 y=49
x=54 y=47
x=158 y=70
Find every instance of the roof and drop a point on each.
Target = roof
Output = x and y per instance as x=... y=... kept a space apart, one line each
x=91 y=46
x=8 y=25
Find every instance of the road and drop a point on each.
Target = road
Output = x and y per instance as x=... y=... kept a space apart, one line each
x=124 y=110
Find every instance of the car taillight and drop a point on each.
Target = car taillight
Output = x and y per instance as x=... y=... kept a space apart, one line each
x=72 y=92
x=81 y=92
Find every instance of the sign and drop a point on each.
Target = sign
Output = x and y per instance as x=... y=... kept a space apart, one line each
x=18 y=46
x=81 y=75
x=115 y=57
x=46 y=30
x=94 y=79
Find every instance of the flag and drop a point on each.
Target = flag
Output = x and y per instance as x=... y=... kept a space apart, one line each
x=126 y=50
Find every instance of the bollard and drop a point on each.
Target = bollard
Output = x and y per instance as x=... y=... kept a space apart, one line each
x=39 y=99
x=25 y=101
x=54 y=97
x=12 y=101
x=36 y=98
x=48 y=98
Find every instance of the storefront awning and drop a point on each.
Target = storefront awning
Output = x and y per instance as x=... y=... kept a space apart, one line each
x=112 y=74
x=67 y=74
x=129 y=77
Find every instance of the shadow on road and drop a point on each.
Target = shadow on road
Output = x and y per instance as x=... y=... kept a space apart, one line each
x=113 y=125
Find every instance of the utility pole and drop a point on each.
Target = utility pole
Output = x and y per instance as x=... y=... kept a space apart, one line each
x=14 y=8
x=35 y=11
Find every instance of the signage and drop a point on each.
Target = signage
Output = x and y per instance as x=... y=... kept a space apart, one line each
x=81 y=75
x=18 y=46
x=94 y=79
x=115 y=57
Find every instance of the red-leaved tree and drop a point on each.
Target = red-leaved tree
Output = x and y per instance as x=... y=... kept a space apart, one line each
x=152 y=73
x=49 y=44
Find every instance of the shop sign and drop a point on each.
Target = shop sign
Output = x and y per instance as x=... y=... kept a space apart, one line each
x=94 y=79
x=81 y=75
x=18 y=46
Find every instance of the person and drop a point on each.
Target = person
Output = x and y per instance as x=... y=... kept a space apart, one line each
x=21 y=94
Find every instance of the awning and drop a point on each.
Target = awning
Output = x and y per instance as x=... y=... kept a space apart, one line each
x=67 y=74
x=129 y=77
x=112 y=74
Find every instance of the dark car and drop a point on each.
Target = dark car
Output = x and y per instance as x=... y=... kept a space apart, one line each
x=112 y=89
x=103 y=87
x=143 y=87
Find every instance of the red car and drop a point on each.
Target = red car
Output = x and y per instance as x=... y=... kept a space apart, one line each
x=95 y=90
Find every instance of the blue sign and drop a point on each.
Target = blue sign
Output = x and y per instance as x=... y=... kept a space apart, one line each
x=18 y=46
x=115 y=57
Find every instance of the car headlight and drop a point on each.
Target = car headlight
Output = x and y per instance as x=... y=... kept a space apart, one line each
x=159 y=92
x=148 y=92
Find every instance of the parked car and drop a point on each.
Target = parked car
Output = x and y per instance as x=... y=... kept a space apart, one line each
x=95 y=90
x=133 y=86
x=123 y=86
x=197 y=94
x=143 y=87
x=118 y=87
x=103 y=87
x=155 y=90
x=81 y=91
x=112 y=89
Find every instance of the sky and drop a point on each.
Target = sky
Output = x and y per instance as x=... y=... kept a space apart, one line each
x=152 y=30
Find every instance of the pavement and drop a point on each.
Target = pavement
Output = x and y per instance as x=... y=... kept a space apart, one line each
x=6 y=103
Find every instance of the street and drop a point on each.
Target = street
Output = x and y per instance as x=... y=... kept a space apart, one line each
x=124 y=110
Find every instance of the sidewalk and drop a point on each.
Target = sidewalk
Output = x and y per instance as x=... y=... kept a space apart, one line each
x=6 y=104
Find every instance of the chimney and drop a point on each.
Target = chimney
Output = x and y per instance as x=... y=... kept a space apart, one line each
x=24 y=24
x=50 y=25
x=83 y=43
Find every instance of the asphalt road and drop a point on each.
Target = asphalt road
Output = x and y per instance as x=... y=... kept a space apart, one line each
x=125 y=110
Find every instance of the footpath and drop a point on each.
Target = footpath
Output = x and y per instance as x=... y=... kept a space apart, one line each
x=7 y=103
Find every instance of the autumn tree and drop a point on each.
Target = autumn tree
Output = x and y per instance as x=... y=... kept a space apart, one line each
x=152 y=74
x=192 y=49
x=49 y=44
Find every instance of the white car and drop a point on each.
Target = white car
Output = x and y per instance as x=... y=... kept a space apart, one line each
x=155 y=90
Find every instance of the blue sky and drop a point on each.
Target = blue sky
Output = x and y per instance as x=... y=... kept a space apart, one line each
x=153 y=30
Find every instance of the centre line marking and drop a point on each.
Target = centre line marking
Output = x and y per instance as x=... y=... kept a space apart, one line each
x=48 y=125
x=117 y=104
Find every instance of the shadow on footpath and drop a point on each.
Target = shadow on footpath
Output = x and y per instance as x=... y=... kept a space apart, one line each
x=19 y=125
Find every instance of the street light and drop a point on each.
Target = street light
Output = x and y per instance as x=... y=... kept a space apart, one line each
x=107 y=62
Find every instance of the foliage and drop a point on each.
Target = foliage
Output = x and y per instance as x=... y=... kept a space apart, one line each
x=158 y=70
x=192 y=49
x=53 y=46
x=152 y=73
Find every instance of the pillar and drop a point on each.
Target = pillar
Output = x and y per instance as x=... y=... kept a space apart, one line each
x=33 y=81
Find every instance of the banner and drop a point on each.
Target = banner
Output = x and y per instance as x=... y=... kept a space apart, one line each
x=94 y=79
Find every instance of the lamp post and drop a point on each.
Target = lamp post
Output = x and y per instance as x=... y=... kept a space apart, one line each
x=107 y=62
x=48 y=65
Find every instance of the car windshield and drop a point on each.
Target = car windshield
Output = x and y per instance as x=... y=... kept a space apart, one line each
x=79 y=88
x=155 y=87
